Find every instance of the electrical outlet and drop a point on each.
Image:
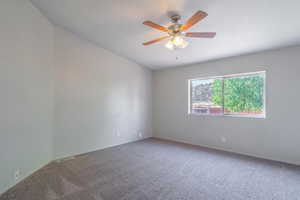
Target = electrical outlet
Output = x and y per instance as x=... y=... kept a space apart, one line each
x=118 y=133
x=17 y=175
x=223 y=139
x=140 y=134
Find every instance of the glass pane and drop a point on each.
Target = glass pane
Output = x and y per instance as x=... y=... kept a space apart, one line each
x=244 y=95
x=206 y=96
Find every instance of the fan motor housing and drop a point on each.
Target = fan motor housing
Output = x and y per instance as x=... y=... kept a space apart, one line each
x=175 y=28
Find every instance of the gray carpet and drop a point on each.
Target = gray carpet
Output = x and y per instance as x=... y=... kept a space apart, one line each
x=154 y=169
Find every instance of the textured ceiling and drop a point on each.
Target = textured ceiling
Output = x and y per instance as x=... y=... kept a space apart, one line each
x=242 y=26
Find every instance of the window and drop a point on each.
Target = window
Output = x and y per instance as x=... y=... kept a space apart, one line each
x=232 y=95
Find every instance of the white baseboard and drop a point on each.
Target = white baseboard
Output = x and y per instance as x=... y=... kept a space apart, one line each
x=229 y=150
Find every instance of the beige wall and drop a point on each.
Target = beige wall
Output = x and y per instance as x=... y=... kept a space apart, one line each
x=276 y=137
x=98 y=96
x=26 y=86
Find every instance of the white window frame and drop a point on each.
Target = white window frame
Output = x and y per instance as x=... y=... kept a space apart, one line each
x=261 y=73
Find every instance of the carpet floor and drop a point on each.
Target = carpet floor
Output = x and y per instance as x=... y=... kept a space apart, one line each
x=154 y=169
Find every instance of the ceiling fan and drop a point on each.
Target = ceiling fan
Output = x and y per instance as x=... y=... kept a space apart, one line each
x=176 y=32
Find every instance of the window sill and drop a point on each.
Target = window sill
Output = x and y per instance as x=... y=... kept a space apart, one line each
x=228 y=115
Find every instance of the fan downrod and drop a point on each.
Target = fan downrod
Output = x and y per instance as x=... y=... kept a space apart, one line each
x=175 y=18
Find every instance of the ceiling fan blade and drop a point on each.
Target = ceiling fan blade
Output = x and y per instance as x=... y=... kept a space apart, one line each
x=156 y=40
x=201 y=34
x=199 y=15
x=156 y=26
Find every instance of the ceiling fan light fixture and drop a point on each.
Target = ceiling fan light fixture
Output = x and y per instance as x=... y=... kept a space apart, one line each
x=177 y=32
x=170 y=45
x=180 y=43
x=176 y=41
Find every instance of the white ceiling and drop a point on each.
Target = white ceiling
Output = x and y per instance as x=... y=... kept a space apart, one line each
x=242 y=26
